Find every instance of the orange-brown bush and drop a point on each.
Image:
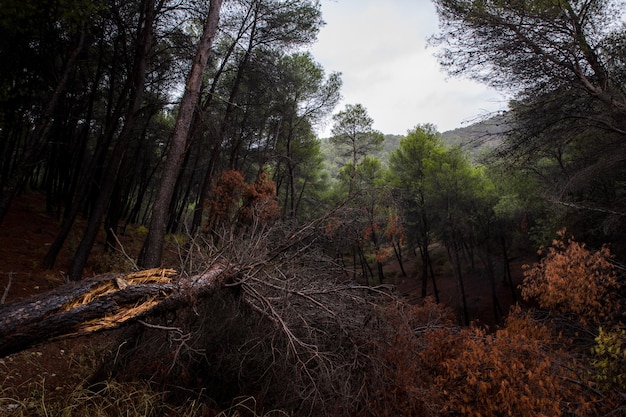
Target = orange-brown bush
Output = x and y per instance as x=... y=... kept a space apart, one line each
x=405 y=389
x=260 y=201
x=435 y=368
x=574 y=280
x=233 y=200
x=512 y=372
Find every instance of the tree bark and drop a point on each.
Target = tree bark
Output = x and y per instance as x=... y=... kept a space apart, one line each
x=153 y=246
x=119 y=151
x=19 y=175
x=217 y=137
x=101 y=303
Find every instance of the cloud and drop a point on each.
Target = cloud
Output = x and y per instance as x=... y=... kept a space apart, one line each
x=380 y=49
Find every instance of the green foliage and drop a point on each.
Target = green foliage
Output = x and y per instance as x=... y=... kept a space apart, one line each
x=353 y=135
x=289 y=24
x=410 y=162
x=563 y=63
x=411 y=168
x=609 y=358
x=441 y=192
x=304 y=96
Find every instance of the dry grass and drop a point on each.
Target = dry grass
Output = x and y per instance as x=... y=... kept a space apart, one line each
x=107 y=399
x=129 y=399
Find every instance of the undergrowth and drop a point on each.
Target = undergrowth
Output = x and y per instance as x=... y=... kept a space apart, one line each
x=128 y=399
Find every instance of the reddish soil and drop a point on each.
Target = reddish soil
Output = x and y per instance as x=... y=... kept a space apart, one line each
x=25 y=236
x=56 y=367
x=477 y=288
x=59 y=367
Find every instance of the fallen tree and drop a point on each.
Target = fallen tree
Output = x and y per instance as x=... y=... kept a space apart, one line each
x=266 y=312
x=101 y=303
x=110 y=301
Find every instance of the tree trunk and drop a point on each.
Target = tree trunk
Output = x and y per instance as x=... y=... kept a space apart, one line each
x=111 y=173
x=153 y=246
x=432 y=275
x=101 y=303
x=423 y=253
x=488 y=263
x=19 y=175
x=507 y=267
x=215 y=159
x=214 y=155
x=454 y=256
x=397 y=250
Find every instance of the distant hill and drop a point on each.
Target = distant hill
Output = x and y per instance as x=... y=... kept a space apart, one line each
x=476 y=139
x=334 y=162
x=481 y=137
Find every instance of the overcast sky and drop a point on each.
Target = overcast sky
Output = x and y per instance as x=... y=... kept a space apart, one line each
x=379 y=46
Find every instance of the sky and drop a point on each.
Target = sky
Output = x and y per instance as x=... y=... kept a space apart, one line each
x=380 y=47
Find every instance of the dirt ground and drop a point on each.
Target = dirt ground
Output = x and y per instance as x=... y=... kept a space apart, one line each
x=477 y=288
x=52 y=368
x=59 y=367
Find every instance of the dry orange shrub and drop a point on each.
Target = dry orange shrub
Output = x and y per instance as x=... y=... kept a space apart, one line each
x=405 y=389
x=225 y=196
x=260 y=201
x=435 y=368
x=234 y=200
x=572 y=279
x=511 y=372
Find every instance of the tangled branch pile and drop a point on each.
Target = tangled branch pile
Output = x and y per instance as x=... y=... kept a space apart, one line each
x=266 y=313
x=291 y=327
x=295 y=331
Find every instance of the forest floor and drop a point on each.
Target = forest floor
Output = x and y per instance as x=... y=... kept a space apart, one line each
x=60 y=367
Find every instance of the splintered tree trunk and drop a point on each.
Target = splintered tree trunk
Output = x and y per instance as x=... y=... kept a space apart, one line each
x=153 y=246
x=101 y=303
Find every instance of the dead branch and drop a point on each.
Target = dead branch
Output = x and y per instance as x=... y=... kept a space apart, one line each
x=7 y=288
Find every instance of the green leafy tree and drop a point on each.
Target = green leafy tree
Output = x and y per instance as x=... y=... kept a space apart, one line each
x=410 y=167
x=369 y=205
x=454 y=185
x=354 y=136
x=563 y=62
x=305 y=95
x=443 y=197
x=255 y=83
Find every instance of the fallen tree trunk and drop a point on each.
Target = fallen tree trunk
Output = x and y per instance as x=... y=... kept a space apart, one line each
x=103 y=302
